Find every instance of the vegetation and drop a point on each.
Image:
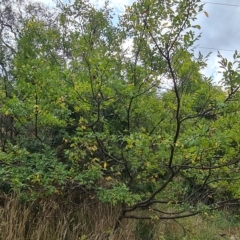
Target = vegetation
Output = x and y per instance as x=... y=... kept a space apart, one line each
x=53 y=219
x=138 y=131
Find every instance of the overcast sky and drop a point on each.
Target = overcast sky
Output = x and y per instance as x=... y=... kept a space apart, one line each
x=221 y=30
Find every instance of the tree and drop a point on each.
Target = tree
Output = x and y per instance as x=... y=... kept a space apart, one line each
x=90 y=114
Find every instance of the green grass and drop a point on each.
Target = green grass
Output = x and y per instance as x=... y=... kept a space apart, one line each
x=219 y=225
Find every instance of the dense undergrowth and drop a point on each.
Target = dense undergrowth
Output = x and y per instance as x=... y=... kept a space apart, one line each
x=57 y=218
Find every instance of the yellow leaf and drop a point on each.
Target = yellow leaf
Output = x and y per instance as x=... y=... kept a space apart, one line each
x=128 y=9
x=105 y=165
x=206 y=14
x=153 y=180
x=56 y=191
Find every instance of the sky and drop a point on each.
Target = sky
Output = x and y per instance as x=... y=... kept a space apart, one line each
x=220 y=30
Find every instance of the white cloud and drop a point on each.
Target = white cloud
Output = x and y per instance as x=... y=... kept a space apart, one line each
x=46 y=2
x=220 y=31
x=118 y=5
x=127 y=47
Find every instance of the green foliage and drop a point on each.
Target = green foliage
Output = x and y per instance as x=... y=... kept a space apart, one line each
x=144 y=230
x=89 y=113
x=32 y=175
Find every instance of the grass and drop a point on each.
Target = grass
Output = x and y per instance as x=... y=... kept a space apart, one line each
x=59 y=219
x=218 y=225
x=54 y=220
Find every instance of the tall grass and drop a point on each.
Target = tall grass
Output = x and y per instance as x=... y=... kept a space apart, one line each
x=63 y=219
x=55 y=220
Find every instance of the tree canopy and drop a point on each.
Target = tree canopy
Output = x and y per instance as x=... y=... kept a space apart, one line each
x=138 y=125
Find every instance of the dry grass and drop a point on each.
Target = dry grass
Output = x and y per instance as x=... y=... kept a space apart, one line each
x=59 y=219
x=54 y=220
